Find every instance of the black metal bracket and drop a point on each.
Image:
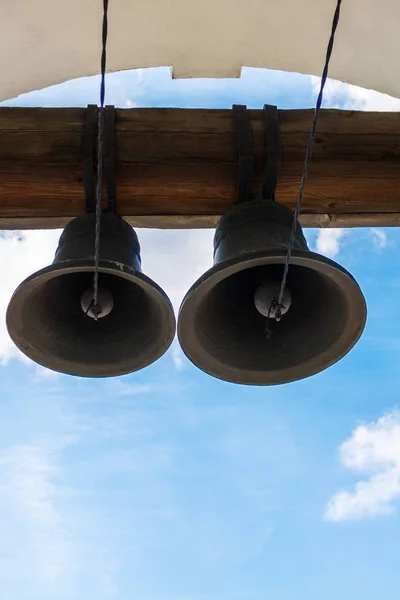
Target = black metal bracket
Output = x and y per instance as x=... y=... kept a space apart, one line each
x=110 y=158
x=246 y=156
x=89 y=157
x=271 y=172
x=245 y=153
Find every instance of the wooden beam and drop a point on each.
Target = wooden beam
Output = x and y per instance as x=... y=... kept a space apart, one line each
x=177 y=168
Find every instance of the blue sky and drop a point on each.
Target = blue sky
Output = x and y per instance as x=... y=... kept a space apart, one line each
x=170 y=485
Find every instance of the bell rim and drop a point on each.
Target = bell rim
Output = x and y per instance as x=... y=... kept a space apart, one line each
x=223 y=270
x=105 y=266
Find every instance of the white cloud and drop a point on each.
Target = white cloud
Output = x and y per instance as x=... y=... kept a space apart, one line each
x=44 y=373
x=130 y=104
x=177 y=356
x=351 y=97
x=176 y=258
x=374 y=449
x=51 y=523
x=133 y=389
x=328 y=241
x=379 y=238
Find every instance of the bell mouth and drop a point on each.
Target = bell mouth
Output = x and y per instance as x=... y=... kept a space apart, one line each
x=46 y=321
x=222 y=333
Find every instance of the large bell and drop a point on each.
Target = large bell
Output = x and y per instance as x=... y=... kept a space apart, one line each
x=223 y=324
x=50 y=318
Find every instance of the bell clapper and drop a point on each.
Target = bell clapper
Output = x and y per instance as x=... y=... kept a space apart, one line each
x=266 y=302
x=104 y=306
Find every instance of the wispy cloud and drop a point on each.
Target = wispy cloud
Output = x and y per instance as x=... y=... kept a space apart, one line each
x=175 y=259
x=62 y=521
x=44 y=373
x=351 y=97
x=379 y=238
x=133 y=389
x=41 y=541
x=328 y=241
x=177 y=356
x=374 y=449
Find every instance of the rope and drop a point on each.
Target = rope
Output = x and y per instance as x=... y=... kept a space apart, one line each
x=309 y=151
x=96 y=309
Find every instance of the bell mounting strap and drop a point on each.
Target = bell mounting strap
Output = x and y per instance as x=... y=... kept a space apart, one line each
x=109 y=159
x=246 y=156
x=274 y=151
x=88 y=151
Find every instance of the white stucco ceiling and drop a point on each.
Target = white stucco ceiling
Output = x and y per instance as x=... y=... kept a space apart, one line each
x=44 y=42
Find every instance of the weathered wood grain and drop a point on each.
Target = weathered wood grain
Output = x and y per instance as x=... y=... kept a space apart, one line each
x=178 y=167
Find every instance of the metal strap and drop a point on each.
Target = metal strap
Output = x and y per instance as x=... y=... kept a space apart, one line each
x=245 y=153
x=88 y=152
x=110 y=158
x=273 y=152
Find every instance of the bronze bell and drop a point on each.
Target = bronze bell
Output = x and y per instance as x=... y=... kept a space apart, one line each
x=223 y=319
x=49 y=315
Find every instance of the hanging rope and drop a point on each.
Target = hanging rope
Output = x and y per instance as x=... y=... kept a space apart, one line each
x=309 y=151
x=96 y=309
